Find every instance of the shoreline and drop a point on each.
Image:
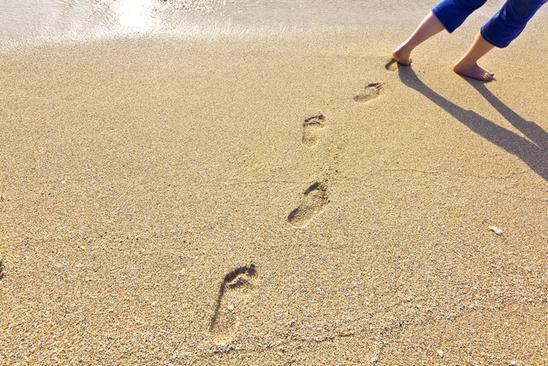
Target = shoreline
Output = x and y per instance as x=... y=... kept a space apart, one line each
x=107 y=20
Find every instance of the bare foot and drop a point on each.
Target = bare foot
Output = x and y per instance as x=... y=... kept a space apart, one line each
x=402 y=56
x=474 y=72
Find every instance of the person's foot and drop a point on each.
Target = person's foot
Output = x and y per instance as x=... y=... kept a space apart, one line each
x=402 y=55
x=473 y=71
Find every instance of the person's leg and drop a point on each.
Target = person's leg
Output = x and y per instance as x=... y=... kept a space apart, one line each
x=468 y=66
x=429 y=27
x=508 y=23
x=505 y=26
x=449 y=15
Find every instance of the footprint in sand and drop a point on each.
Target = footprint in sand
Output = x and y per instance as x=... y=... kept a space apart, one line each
x=236 y=286
x=372 y=91
x=312 y=129
x=391 y=65
x=314 y=202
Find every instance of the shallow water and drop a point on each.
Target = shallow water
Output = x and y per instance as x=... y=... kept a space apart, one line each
x=54 y=20
x=37 y=21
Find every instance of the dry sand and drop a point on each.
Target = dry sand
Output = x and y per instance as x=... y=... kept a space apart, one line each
x=164 y=202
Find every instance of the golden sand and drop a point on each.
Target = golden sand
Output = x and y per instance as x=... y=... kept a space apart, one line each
x=177 y=202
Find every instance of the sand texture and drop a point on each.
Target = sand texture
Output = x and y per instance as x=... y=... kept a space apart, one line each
x=273 y=201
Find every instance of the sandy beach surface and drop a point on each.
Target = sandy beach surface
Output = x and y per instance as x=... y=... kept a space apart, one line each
x=283 y=198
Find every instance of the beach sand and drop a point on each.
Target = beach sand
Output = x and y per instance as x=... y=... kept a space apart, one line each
x=255 y=201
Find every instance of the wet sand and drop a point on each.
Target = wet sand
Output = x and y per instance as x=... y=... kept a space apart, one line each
x=256 y=201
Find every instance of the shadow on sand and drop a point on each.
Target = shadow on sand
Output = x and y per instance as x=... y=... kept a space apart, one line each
x=531 y=153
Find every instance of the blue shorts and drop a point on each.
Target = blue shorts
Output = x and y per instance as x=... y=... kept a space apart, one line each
x=501 y=29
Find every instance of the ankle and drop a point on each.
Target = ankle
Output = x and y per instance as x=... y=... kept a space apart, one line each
x=465 y=63
x=404 y=48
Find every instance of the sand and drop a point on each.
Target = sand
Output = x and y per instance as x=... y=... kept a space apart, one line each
x=272 y=200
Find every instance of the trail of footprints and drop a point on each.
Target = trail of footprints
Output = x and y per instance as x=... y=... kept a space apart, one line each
x=315 y=198
x=239 y=284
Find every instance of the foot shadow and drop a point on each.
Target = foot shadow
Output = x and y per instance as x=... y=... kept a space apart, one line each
x=531 y=153
x=530 y=129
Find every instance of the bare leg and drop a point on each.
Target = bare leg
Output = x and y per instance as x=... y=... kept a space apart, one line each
x=468 y=64
x=429 y=26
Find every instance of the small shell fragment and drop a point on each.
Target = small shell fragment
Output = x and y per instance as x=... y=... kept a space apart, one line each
x=440 y=353
x=496 y=230
x=346 y=333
